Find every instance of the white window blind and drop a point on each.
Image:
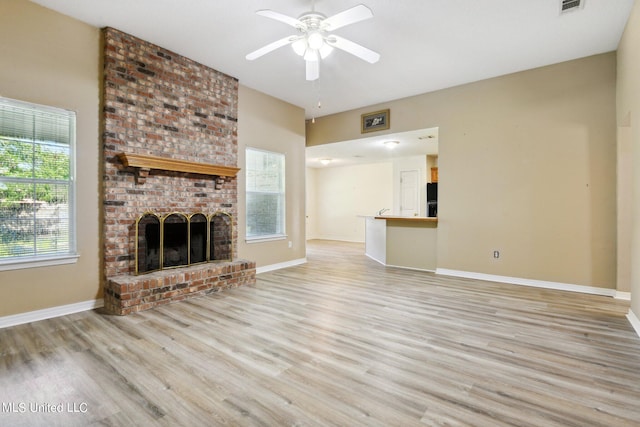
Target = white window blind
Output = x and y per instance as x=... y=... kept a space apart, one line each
x=265 y=192
x=36 y=181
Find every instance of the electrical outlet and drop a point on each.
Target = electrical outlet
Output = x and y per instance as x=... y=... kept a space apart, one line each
x=496 y=254
x=290 y=244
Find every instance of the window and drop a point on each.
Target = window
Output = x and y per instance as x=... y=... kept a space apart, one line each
x=36 y=184
x=265 y=195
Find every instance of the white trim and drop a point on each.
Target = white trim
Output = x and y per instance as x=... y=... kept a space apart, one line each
x=269 y=238
x=375 y=259
x=336 y=239
x=280 y=265
x=18 y=264
x=528 y=282
x=48 y=313
x=623 y=295
x=404 y=267
x=635 y=322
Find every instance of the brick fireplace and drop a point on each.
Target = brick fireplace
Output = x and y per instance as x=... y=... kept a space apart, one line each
x=170 y=147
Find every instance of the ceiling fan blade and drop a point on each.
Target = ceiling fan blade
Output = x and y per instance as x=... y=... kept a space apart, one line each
x=349 y=16
x=295 y=23
x=270 y=47
x=313 y=70
x=353 y=48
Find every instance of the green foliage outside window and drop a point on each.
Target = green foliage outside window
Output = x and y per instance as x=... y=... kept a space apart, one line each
x=36 y=177
x=20 y=160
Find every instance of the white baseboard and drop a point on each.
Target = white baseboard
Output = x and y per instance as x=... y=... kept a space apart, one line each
x=48 y=313
x=529 y=282
x=335 y=239
x=623 y=295
x=404 y=267
x=280 y=265
x=635 y=322
x=375 y=259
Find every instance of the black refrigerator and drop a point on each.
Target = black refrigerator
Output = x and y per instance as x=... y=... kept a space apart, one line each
x=432 y=199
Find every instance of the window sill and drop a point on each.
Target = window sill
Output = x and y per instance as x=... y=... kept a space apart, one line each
x=262 y=239
x=36 y=262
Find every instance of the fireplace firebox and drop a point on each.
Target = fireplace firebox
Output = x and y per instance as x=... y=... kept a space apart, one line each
x=177 y=239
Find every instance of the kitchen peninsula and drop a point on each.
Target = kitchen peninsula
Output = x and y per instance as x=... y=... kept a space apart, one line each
x=402 y=241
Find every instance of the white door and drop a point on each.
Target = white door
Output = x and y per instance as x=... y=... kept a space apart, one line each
x=409 y=193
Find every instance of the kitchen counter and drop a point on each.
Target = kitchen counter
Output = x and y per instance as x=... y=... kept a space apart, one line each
x=408 y=218
x=402 y=241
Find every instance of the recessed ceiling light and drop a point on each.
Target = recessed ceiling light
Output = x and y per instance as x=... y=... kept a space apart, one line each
x=325 y=161
x=391 y=144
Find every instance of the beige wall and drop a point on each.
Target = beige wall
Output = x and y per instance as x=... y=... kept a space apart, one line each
x=311 y=203
x=628 y=114
x=50 y=59
x=57 y=63
x=412 y=244
x=526 y=166
x=340 y=196
x=269 y=124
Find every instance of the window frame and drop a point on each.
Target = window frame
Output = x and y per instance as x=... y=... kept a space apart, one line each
x=282 y=199
x=70 y=255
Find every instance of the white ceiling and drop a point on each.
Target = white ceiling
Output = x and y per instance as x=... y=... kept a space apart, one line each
x=424 y=45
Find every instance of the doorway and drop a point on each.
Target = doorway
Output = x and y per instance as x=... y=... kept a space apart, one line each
x=409 y=192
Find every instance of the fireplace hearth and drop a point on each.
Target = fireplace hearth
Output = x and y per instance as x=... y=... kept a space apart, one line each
x=178 y=256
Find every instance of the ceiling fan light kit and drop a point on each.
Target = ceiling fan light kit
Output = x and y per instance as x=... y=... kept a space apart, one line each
x=314 y=41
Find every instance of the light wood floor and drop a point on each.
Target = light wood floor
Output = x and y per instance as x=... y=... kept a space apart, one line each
x=341 y=341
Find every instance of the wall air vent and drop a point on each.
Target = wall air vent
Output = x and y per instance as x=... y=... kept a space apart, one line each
x=569 y=5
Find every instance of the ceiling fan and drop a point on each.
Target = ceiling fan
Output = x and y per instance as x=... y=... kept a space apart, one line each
x=314 y=40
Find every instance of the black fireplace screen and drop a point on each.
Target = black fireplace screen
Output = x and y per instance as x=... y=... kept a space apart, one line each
x=176 y=240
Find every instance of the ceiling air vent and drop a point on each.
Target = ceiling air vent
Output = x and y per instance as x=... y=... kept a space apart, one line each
x=568 y=5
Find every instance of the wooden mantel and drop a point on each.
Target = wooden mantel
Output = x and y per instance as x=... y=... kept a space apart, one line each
x=145 y=163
